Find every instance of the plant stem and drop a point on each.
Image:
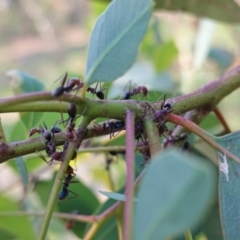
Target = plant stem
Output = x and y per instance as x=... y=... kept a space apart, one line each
x=120 y=226
x=200 y=132
x=58 y=182
x=2 y=134
x=75 y=217
x=54 y=193
x=188 y=235
x=153 y=137
x=129 y=190
x=222 y=120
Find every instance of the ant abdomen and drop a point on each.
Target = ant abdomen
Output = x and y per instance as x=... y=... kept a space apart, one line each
x=63 y=194
x=100 y=95
x=58 y=92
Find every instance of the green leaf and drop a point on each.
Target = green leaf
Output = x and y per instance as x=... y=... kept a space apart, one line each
x=25 y=83
x=221 y=56
x=221 y=10
x=20 y=225
x=212 y=226
x=115 y=39
x=229 y=191
x=86 y=203
x=174 y=195
x=116 y=196
x=7 y=235
x=108 y=229
x=23 y=170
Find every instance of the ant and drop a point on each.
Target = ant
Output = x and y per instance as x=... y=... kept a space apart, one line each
x=71 y=83
x=161 y=115
x=52 y=153
x=65 y=147
x=65 y=191
x=55 y=155
x=99 y=93
x=113 y=127
x=139 y=131
x=70 y=121
x=145 y=152
x=70 y=223
x=47 y=134
x=180 y=140
x=135 y=91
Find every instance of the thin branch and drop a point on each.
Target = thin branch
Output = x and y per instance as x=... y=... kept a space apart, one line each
x=153 y=137
x=129 y=190
x=222 y=120
x=57 y=183
x=75 y=217
x=200 y=132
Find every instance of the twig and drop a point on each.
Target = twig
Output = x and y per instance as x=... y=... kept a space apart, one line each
x=129 y=190
x=222 y=120
x=57 y=183
x=200 y=132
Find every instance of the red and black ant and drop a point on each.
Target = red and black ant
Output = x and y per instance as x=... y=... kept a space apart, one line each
x=73 y=84
x=99 y=94
x=70 y=121
x=45 y=133
x=135 y=91
x=65 y=147
x=65 y=191
x=51 y=152
x=139 y=131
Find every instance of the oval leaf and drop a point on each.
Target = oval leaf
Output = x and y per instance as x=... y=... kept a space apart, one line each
x=24 y=83
x=229 y=190
x=115 y=39
x=174 y=195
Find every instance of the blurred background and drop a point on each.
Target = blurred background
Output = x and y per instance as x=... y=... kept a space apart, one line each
x=180 y=53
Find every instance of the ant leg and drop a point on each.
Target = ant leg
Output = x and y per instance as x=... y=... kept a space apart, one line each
x=42 y=157
x=75 y=195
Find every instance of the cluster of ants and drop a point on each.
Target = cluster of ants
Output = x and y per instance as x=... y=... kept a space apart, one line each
x=74 y=84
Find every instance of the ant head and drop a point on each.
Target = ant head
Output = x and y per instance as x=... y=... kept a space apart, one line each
x=56 y=130
x=48 y=135
x=33 y=131
x=144 y=91
x=167 y=106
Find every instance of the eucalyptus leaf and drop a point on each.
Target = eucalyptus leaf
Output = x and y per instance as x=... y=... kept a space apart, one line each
x=174 y=195
x=116 y=196
x=115 y=39
x=229 y=190
x=25 y=83
x=23 y=170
